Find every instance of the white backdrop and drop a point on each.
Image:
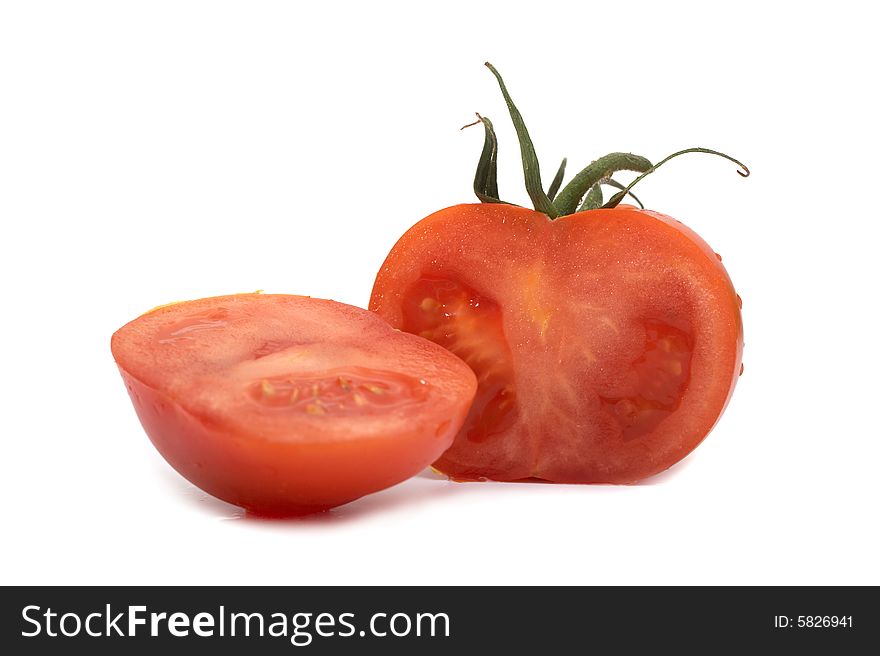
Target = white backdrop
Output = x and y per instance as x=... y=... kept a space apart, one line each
x=161 y=151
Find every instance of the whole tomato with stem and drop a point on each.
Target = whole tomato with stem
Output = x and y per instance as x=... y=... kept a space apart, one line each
x=606 y=338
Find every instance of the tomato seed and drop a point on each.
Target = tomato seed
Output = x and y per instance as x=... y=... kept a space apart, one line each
x=267 y=388
x=315 y=409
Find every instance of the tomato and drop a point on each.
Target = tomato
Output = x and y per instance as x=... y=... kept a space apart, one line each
x=606 y=342
x=606 y=339
x=287 y=404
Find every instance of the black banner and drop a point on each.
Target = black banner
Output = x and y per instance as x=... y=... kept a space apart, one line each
x=406 y=620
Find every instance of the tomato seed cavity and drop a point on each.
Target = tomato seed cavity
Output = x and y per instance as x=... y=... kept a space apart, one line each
x=662 y=375
x=470 y=325
x=337 y=392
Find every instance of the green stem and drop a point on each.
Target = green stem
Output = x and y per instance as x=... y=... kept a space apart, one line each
x=531 y=169
x=567 y=200
x=486 y=178
x=620 y=195
x=557 y=180
x=596 y=201
x=593 y=199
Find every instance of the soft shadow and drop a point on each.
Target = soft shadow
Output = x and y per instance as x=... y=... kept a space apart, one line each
x=432 y=474
x=414 y=492
x=421 y=489
x=197 y=498
x=668 y=474
x=425 y=488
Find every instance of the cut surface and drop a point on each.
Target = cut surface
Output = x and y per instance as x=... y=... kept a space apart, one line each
x=286 y=403
x=606 y=344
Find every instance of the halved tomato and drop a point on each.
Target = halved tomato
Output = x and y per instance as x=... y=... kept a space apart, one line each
x=289 y=404
x=606 y=342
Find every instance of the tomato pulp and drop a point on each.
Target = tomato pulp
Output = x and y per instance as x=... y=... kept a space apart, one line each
x=286 y=404
x=606 y=343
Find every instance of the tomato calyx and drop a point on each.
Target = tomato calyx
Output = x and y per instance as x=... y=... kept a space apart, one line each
x=584 y=191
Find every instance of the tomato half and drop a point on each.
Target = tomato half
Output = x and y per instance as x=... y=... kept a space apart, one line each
x=606 y=343
x=288 y=404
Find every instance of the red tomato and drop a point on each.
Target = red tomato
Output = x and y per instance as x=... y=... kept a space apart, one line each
x=288 y=404
x=606 y=343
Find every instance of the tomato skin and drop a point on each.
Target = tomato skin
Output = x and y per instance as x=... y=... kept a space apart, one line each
x=278 y=478
x=586 y=303
x=293 y=468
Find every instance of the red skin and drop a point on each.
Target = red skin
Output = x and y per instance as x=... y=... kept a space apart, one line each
x=607 y=343
x=198 y=398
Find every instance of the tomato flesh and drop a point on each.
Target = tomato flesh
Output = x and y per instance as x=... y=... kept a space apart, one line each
x=285 y=405
x=606 y=344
